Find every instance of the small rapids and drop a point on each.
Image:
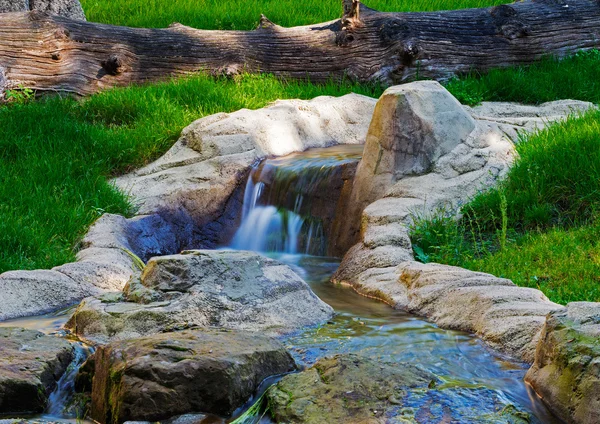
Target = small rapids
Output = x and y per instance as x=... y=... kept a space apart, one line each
x=279 y=214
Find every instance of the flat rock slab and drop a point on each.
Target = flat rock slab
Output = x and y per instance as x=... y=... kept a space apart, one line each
x=31 y=363
x=352 y=389
x=566 y=371
x=210 y=370
x=230 y=289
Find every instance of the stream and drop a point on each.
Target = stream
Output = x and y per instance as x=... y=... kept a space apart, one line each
x=279 y=221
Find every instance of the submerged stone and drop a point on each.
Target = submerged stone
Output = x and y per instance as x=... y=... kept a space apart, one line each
x=209 y=370
x=31 y=363
x=352 y=389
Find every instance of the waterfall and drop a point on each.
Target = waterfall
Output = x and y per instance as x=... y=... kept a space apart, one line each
x=284 y=201
x=60 y=400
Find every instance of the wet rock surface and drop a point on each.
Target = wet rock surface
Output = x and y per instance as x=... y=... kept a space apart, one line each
x=31 y=363
x=210 y=370
x=566 y=371
x=230 y=289
x=354 y=389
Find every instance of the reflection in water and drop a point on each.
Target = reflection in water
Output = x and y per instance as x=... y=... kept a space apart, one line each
x=50 y=323
x=367 y=327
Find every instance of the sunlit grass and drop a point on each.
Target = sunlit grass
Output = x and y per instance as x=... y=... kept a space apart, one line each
x=56 y=155
x=244 y=14
x=552 y=202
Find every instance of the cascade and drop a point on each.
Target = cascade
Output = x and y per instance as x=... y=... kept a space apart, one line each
x=290 y=203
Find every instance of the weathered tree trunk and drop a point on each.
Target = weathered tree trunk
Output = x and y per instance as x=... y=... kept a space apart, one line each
x=51 y=53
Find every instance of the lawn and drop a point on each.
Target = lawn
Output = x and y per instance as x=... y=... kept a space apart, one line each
x=244 y=14
x=57 y=155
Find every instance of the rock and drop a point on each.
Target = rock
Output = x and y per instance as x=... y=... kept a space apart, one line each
x=425 y=148
x=413 y=126
x=507 y=317
x=105 y=264
x=67 y=8
x=566 y=371
x=25 y=293
x=343 y=389
x=231 y=289
x=353 y=389
x=31 y=364
x=210 y=370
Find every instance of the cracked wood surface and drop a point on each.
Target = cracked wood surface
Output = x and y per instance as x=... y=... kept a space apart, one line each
x=52 y=53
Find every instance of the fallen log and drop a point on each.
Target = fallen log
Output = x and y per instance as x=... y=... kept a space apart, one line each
x=52 y=53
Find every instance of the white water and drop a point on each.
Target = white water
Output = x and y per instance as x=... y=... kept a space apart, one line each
x=267 y=228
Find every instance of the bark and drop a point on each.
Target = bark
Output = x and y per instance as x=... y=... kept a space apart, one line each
x=52 y=53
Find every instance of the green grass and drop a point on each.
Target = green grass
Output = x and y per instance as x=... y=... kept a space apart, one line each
x=564 y=263
x=56 y=154
x=576 y=77
x=244 y=14
x=550 y=237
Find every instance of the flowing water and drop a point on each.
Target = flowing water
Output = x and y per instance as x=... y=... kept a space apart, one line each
x=278 y=221
x=474 y=378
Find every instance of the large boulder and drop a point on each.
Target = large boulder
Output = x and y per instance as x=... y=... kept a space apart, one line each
x=31 y=364
x=413 y=126
x=353 y=389
x=428 y=150
x=566 y=371
x=231 y=289
x=67 y=8
x=210 y=370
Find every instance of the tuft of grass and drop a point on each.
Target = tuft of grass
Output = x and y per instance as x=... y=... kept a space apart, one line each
x=575 y=77
x=540 y=226
x=555 y=181
x=245 y=14
x=57 y=155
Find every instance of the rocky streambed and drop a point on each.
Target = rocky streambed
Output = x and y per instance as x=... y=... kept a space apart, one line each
x=181 y=328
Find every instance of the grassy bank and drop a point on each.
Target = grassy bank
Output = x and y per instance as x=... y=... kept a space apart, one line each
x=244 y=14
x=56 y=154
x=539 y=226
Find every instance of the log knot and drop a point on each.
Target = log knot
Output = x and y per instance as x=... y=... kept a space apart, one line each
x=266 y=23
x=508 y=23
x=113 y=65
x=61 y=34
